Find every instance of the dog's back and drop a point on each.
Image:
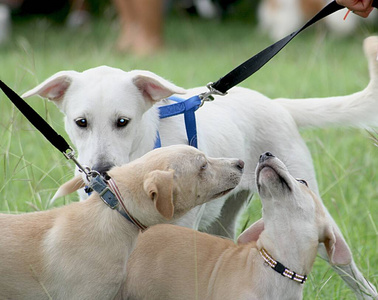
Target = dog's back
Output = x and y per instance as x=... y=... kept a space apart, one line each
x=181 y=276
x=19 y=234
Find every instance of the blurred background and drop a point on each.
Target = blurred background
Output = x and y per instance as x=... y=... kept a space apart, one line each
x=141 y=22
x=192 y=43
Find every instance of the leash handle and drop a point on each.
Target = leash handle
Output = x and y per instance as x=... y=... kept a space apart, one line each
x=253 y=64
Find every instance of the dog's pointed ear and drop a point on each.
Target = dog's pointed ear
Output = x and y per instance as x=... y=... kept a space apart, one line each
x=68 y=188
x=159 y=187
x=154 y=87
x=53 y=88
x=252 y=233
x=337 y=249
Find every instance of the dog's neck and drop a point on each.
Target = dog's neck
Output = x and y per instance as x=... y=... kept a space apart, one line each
x=104 y=219
x=136 y=200
x=289 y=247
x=289 y=250
x=144 y=140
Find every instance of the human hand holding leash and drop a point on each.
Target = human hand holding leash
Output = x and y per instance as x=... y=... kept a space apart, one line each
x=361 y=8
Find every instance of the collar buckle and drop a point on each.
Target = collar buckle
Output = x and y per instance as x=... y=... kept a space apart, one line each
x=107 y=197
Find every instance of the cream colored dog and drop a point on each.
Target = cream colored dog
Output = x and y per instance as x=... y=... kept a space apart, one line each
x=79 y=251
x=194 y=265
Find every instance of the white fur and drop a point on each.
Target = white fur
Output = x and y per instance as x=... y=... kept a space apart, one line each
x=242 y=124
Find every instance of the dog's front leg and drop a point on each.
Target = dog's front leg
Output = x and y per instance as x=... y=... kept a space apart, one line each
x=225 y=225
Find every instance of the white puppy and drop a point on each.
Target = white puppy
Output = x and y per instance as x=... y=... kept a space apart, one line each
x=79 y=251
x=194 y=265
x=112 y=117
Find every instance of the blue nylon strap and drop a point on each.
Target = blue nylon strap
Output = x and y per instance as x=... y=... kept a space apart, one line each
x=186 y=107
x=157 y=141
x=191 y=128
x=180 y=107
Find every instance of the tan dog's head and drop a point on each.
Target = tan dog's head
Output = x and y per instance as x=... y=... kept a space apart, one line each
x=164 y=184
x=292 y=212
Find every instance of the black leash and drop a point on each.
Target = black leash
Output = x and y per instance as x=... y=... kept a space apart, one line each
x=50 y=134
x=253 y=64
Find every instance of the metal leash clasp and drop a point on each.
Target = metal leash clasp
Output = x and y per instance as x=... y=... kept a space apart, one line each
x=207 y=96
x=70 y=154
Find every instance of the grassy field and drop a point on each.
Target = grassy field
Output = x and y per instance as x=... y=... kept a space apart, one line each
x=197 y=51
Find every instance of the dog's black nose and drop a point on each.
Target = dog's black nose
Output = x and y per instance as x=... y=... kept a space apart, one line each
x=102 y=168
x=265 y=156
x=240 y=165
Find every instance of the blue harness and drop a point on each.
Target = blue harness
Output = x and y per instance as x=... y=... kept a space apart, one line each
x=186 y=107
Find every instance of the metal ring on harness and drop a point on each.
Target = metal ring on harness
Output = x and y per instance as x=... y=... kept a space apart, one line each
x=207 y=96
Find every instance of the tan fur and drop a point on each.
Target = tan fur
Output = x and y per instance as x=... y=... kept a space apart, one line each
x=311 y=7
x=79 y=251
x=194 y=265
x=141 y=26
x=191 y=265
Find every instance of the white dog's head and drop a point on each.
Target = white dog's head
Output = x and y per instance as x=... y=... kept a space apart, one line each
x=108 y=114
x=292 y=212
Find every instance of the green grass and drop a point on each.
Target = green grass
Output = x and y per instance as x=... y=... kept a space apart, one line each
x=197 y=52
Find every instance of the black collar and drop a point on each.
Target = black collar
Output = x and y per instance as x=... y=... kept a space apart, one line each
x=280 y=268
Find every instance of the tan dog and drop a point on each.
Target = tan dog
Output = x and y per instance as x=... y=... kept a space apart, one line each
x=79 y=251
x=194 y=265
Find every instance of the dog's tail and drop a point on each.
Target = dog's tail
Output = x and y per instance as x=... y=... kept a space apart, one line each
x=69 y=187
x=356 y=110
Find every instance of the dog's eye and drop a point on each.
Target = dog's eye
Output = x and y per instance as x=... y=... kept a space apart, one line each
x=122 y=122
x=81 y=122
x=303 y=182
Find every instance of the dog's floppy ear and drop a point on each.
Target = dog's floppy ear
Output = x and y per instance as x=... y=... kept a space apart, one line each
x=252 y=233
x=154 y=87
x=159 y=187
x=68 y=188
x=53 y=88
x=337 y=249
